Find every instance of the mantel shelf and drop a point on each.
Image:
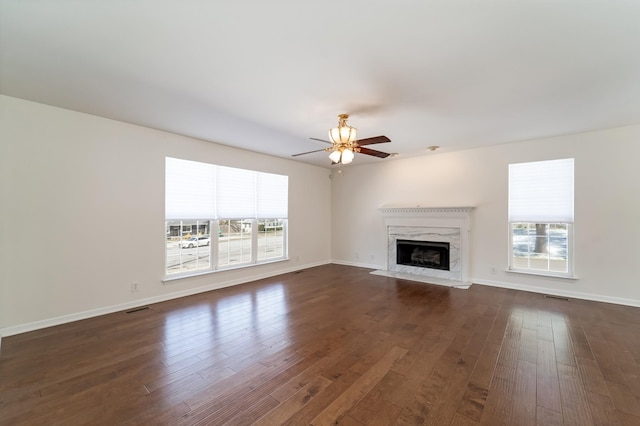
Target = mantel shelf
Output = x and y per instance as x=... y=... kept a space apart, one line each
x=425 y=211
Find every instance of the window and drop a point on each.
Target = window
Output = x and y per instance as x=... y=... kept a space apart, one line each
x=222 y=217
x=541 y=217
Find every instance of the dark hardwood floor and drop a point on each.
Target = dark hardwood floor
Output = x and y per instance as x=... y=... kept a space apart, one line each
x=333 y=345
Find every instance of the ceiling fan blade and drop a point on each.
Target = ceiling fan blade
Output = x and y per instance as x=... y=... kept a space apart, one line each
x=321 y=140
x=310 y=152
x=371 y=141
x=373 y=152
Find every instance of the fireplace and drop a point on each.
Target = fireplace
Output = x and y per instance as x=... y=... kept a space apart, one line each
x=423 y=254
x=428 y=244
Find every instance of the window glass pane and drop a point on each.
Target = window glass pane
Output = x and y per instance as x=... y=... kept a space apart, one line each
x=234 y=242
x=188 y=246
x=540 y=246
x=271 y=235
x=539 y=257
x=559 y=247
x=521 y=245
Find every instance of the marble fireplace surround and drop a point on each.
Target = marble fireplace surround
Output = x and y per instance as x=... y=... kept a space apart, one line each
x=441 y=224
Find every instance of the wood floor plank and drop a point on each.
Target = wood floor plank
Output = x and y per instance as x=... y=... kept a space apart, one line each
x=359 y=389
x=528 y=345
x=602 y=410
x=606 y=362
x=628 y=419
x=333 y=345
x=438 y=396
x=562 y=342
x=495 y=416
x=461 y=420
x=548 y=386
x=623 y=399
x=311 y=410
x=289 y=407
x=421 y=368
x=592 y=378
x=374 y=405
x=485 y=366
x=546 y=417
x=575 y=405
x=452 y=396
x=524 y=411
x=386 y=414
x=473 y=402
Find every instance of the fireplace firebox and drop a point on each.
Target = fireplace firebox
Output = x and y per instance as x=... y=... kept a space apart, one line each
x=423 y=254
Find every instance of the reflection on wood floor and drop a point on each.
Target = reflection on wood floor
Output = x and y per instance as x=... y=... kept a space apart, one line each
x=333 y=345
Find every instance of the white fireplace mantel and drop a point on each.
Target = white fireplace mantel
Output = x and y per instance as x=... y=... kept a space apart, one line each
x=419 y=211
x=449 y=224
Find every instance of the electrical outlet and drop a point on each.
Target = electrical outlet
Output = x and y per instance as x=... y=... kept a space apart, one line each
x=135 y=287
x=493 y=270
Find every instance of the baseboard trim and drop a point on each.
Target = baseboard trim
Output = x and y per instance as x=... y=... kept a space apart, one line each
x=562 y=293
x=356 y=264
x=37 y=325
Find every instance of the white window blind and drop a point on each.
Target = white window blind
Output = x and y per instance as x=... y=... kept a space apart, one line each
x=196 y=190
x=273 y=195
x=541 y=191
x=236 y=193
x=189 y=190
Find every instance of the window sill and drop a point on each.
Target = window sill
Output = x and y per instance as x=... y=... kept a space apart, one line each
x=170 y=278
x=543 y=274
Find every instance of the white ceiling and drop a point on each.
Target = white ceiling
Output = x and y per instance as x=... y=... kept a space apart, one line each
x=267 y=75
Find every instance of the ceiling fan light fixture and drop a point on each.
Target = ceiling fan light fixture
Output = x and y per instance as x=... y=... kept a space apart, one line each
x=343 y=134
x=335 y=156
x=343 y=140
x=347 y=156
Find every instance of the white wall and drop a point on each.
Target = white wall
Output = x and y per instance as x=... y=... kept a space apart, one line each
x=82 y=214
x=607 y=209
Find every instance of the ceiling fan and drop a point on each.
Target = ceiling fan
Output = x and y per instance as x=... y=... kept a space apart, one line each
x=344 y=143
